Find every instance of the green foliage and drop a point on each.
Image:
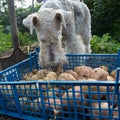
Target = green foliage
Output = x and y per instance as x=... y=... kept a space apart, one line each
x=23 y=33
x=26 y=39
x=5 y=40
x=106 y=18
x=21 y=13
x=104 y=44
x=4 y=20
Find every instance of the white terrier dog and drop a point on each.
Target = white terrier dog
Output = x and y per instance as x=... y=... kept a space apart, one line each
x=57 y=21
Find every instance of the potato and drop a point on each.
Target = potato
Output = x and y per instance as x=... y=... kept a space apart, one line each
x=34 y=77
x=115 y=113
x=23 y=89
x=69 y=99
x=110 y=78
x=113 y=74
x=53 y=103
x=91 y=79
x=100 y=111
x=114 y=97
x=99 y=74
x=104 y=68
x=92 y=89
x=35 y=105
x=54 y=93
x=45 y=86
x=64 y=87
x=27 y=90
x=28 y=76
x=73 y=73
x=83 y=72
x=51 y=76
x=7 y=91
x=34 y=71
x=42 y=73
x=66 y=76
x=24 y=103
x=59 y=70
x=31 y=76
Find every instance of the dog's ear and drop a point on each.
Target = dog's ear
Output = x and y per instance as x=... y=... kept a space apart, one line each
x=63 y=17
x=30 y=22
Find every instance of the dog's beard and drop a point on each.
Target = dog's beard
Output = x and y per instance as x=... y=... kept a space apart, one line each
x=52 y=56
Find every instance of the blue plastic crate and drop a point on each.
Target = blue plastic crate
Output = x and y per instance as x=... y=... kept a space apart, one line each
x=42 y=101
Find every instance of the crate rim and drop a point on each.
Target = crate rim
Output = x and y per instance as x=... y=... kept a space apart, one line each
x=13 y=66
x=66 y=55
x=81 y=82
x=93 y=54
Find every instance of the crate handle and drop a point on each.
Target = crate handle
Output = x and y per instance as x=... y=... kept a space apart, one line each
x=118 y=60
x=117 y=81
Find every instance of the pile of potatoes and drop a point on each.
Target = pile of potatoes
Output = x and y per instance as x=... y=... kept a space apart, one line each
x=81 y=94
x=64 y=97
x=79 y=73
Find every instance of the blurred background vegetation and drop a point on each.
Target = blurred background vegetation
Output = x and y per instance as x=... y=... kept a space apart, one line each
x=105 y=15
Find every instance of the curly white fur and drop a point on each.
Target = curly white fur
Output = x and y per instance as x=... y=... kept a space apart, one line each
x=57 y=21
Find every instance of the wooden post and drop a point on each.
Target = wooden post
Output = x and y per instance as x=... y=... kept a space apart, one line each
x=13 y=23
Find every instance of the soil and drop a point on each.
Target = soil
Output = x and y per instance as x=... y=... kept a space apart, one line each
x=25 y=49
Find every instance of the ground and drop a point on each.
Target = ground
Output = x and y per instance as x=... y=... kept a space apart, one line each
x=25 y=49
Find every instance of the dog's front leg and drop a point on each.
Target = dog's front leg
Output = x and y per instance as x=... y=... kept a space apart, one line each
x=73 y=43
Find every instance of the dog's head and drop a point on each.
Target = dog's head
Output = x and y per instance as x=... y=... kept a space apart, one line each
x=48 y=24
